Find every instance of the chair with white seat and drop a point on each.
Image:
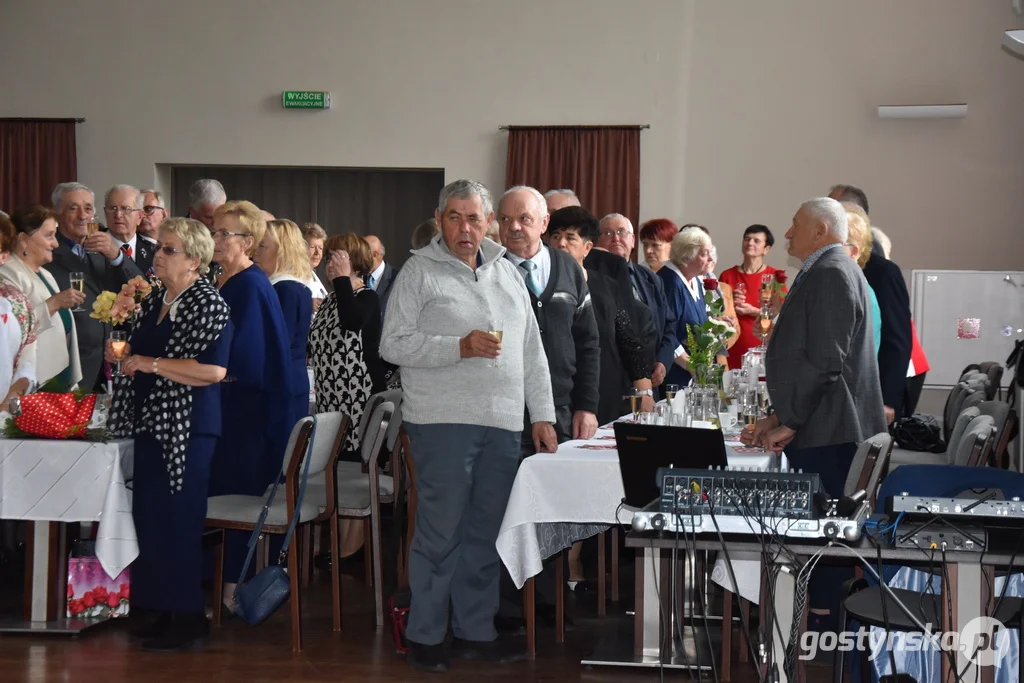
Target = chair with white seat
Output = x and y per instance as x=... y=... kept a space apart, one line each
x=322 y=446
x=360 y=494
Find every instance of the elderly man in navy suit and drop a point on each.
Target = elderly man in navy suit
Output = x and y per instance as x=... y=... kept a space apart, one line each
x=123 y=206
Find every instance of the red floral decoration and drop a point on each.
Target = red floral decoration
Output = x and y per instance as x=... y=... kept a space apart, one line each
x=55 y=416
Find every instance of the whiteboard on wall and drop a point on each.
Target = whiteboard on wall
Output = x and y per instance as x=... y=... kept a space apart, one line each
x=965 y=317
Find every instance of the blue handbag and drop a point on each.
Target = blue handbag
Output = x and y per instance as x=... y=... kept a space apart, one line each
x=257 y=599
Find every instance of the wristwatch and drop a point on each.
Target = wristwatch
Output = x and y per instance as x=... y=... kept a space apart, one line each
x=645 y=392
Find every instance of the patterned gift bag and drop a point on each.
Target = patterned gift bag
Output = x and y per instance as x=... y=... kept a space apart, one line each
x=94 y=595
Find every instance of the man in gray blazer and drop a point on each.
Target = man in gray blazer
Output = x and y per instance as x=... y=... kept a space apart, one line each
x=821 y=365
x=97 y=257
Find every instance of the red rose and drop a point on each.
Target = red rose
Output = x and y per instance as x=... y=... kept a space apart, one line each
x=100 y=593
x=710 y=284
x=113 y=600
x=89 y=600
x=75 y=607
x=124 y=591
x=780 y=277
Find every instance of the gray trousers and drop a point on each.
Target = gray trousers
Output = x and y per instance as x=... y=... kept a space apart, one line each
x=464 y=475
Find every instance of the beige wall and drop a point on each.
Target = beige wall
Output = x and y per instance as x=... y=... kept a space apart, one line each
x=754 y=106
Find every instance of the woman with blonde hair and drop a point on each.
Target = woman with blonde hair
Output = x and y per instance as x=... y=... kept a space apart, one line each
x=314 y=236
x=257 y=406
x=284 y=256
x=858 y=245
x=168 y=400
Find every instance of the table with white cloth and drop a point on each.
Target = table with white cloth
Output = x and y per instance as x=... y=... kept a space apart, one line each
x=563 y=497
x=66 y=481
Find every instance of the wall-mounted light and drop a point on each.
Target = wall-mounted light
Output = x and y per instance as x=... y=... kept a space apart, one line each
x=925 y=111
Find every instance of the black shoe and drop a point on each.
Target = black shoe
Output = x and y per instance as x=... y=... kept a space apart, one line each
x=187 y=633
x=499 y=651
x=546 y=615
x=154 y=629
x=322 y=562
x=430 y=658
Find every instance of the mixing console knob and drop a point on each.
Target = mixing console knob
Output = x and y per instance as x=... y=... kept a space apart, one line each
x=658 y=522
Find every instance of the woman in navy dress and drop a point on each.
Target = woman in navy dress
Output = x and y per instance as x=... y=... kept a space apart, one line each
x=284 y=257
x=257 y=405
x=168 y=398
x=684 y=292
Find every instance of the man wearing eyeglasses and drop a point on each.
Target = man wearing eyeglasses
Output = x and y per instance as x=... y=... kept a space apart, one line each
x=617 y=237
x=123 y=207
x=154 y=213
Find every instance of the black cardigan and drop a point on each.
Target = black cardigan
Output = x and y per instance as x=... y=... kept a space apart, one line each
x=569 y=332
x=360 y=312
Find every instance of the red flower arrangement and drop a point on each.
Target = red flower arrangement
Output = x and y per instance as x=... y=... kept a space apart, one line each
x=710 y=284
x=103 y=599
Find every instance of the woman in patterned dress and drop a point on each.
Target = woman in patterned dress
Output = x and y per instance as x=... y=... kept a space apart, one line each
x=344 y=352
x=19 y=327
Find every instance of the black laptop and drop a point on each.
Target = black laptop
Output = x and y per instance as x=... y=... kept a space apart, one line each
x=644 y=448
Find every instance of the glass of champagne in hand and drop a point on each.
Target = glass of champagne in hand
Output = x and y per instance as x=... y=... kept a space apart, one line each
x=763 y=326
x=119 y=347
x=78 y=283
x=495 y=328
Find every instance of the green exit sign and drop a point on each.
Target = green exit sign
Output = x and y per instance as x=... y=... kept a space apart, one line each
x=306 y=99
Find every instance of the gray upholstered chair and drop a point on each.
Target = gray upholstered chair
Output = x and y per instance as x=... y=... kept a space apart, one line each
x=243 y=512
x=1006 y=423
x=977 y=442
x=905 y=457
x=360 y=494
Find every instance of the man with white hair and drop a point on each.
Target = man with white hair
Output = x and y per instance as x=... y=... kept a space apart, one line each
x=154 y=213
x=561 y=302
x=123 y=206
x=104 y=267
x=559 y=199
x=204 y=197
x=383 y=273
x=821 y=366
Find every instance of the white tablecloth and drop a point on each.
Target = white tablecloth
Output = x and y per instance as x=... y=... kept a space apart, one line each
x=563 y=497
x=73 y=481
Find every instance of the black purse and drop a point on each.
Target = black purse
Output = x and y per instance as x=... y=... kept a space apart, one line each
x=257 y=599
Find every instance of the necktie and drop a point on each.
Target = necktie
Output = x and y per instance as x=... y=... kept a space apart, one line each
x=127 y=249
x=529 y=270
x=370 y=283
x=78 y=251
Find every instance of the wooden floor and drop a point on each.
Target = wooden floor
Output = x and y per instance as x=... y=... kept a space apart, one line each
x=239 y=653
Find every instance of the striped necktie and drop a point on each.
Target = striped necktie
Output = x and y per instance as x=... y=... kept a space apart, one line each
x=127 y=249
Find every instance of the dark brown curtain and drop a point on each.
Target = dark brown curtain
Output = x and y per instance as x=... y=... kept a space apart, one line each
x=35 y=155
x=601 y=164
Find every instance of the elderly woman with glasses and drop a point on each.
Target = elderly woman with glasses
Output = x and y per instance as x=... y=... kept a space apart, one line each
x=257 y=406
x=682 y=276
x=315 y=237
x=168 y=399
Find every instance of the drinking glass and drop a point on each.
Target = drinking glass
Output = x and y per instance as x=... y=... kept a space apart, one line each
x=661 y=414
x=762 y=398
x=635 y=400
x=495 y=328
x=119 y=347
x=749 y=406
x=767 y=288
x=670 y=393
x=763 y=326
x=646 y=418
x=78 y=282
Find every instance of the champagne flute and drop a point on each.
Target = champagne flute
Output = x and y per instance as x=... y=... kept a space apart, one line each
x=764 y=325
x=495 y=328
x=78 y=282
x=635 y=402
x=670 y=393
x=767 y=289
x=119 y=346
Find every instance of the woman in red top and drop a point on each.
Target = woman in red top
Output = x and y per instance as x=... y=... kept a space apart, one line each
x=745 y=281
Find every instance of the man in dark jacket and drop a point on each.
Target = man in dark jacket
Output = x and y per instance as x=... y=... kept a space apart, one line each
x=561 y=301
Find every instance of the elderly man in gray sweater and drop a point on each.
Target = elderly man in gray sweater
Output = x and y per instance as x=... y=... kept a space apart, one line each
x=465 y=396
